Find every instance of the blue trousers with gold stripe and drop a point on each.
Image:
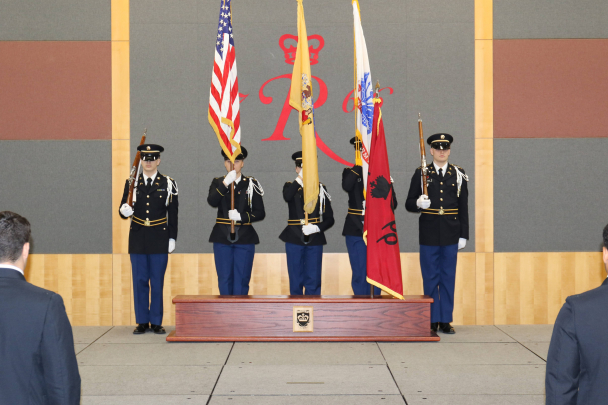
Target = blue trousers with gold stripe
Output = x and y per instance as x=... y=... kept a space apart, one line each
x=148 y=274
x=233 y=264
x=438 y=264
x=304 y=265
x=357 y=254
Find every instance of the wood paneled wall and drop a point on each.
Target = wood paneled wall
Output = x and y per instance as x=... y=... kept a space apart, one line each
x=491 y=288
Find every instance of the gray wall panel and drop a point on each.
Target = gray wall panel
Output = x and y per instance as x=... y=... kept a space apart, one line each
x=514 y=19
x=549 y=195
x=64 y=188
x=429 y=66
x=57 y=20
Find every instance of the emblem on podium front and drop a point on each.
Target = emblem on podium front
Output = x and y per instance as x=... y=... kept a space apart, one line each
x=302 y=319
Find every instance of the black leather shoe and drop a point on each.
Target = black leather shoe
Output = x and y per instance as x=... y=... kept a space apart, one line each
x=158 y=329
x=140 y=328
x=434 y=326
x=446 y=328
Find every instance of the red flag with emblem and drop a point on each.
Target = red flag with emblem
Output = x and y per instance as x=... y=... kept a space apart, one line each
x=380 y=230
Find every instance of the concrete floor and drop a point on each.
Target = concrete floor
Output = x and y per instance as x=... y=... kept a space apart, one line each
x=487 y=365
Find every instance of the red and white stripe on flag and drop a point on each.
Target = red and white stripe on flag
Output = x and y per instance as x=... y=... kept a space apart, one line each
x=224 y=115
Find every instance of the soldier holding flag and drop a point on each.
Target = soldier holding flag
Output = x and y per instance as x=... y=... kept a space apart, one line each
x=310 y=212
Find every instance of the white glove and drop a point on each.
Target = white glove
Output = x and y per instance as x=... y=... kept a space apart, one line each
x=462 y=242
x=171 y=245
x=299 y=180
x=234 y=215
x=363 y=212
x=392 y=181
x=423 y=202
x=230 y=177
x=301 y=174
x=126 y=210
x=310 y=229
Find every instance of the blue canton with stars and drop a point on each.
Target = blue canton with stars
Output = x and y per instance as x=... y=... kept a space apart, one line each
x=224 y=26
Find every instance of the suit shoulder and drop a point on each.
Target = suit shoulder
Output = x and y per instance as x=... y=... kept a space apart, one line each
x=592 y=296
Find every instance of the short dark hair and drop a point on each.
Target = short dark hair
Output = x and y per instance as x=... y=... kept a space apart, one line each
x=605 y=236
x=15 y=232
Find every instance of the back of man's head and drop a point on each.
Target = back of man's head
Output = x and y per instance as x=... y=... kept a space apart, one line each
x=15 y=232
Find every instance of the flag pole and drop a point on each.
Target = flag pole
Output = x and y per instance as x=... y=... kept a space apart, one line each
x=376 y=95
x=232 y=202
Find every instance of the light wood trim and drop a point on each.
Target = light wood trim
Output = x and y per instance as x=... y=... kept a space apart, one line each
x=530 y=288
x=121 y=119
x=484 y=195
x=120 y=172
x=484 y=19
x=484 y=89
x=120 y=20
x=83 y=281
x=122 y=290
x=484 y=288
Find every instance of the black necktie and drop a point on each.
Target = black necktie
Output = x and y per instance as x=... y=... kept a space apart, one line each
x=440 y=172
x=149 y=183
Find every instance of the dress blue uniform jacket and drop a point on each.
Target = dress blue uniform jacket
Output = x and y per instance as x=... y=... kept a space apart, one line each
x=293 y=194
x=577 y=364
x=219 y=196
x=352 y=183
x=37 y=359
x=151 y=205
x=434 y=229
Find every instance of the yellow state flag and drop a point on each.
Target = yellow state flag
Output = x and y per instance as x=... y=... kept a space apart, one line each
x=301 y=99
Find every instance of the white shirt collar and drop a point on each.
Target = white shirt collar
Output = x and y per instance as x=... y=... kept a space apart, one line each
x=152 y=177
x=239 y=179
x=9 y=266
x=444 y=167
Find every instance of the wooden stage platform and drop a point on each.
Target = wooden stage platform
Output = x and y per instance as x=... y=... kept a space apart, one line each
x=215 y=318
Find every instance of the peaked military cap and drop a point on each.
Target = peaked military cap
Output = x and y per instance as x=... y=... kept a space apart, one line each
x=241 y=156
x=355 y=142
x=150 y=151
x=440 y=141
x=297 y=157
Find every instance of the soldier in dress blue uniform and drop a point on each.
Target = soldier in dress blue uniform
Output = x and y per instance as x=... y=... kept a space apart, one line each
x=443 y=227
x=352 y=183
x=304 y=243
x=151 y=238
x=234 y=253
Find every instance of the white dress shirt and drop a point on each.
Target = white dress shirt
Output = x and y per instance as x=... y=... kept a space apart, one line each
x=8 y=266
x=444 y=167
x=151 y=177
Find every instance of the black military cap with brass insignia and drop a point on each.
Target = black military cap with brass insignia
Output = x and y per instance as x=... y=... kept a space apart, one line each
x=150 y=151
x=440 y=141
x=241 y=156
x=356 y=142
x=298 y=158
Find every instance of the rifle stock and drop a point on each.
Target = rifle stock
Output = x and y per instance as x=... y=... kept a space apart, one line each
x=134 y=169
x=423 y=168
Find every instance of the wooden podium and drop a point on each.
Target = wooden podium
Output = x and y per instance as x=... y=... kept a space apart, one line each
x=218 y=318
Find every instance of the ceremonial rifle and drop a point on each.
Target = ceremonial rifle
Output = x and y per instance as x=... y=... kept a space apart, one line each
x=423 y=169
x=135 y=170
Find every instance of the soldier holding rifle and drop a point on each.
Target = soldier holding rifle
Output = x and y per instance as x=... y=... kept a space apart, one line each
x=239 y=203
x=151 y=199
x=438 y=191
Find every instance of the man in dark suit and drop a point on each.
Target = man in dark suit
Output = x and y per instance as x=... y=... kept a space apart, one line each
x=37 y=358
x=443 y=227
x=577 y=364
x=304 y=243
x=151 y=238
x=234 y=254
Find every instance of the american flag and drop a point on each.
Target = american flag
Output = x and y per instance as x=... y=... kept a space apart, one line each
x=224 y=115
